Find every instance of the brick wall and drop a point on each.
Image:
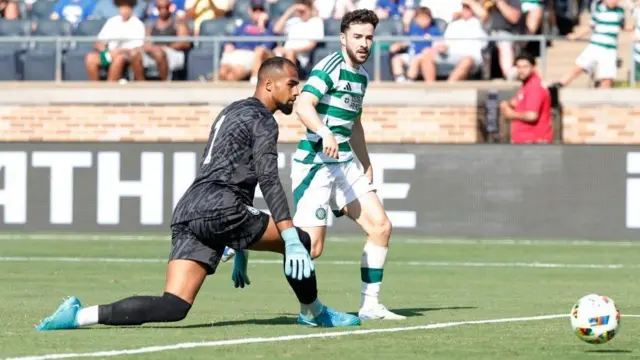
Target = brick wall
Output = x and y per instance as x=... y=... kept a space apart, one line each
x=191 y=123
x=393 y=113
x=601 y=125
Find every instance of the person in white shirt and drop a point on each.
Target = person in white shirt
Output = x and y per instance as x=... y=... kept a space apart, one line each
x=333 y=9
x=118 y=41
x=457 y=56
x=302 y=31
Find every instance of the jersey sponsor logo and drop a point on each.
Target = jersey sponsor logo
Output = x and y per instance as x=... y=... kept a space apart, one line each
x=353 y=102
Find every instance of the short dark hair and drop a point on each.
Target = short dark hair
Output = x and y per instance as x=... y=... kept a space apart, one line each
x=308 y=3
x=424 y=11
x=275 y=63
x=129 y=3
x=526 y=56
x=360 y=16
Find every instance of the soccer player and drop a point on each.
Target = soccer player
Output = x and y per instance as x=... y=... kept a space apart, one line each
x=216 y=211
x=324 y=176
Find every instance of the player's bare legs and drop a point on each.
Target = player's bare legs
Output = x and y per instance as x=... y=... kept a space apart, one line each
x=368 y=212
x=317 y=235
x=184 y=279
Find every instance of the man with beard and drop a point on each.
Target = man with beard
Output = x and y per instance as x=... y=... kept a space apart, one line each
x=529 y=112
x=324 y=176
x=217 y=211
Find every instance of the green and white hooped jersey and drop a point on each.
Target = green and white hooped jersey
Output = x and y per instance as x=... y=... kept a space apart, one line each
x=607 y=24
x=341 y=90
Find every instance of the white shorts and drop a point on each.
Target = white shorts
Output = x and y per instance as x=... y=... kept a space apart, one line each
x=240 y=57
x=526 y=7
x=406 y=58
x=602 y=60
x=318 y=189
x=175 y=59
x=445 y=63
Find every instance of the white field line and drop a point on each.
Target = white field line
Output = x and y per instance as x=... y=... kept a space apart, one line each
x=536 y=265
x=343 y=239
x=244 y=341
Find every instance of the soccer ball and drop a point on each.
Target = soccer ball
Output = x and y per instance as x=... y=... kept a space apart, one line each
x=595 y=319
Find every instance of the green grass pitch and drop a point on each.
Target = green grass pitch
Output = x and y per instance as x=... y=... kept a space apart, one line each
x=430 y=282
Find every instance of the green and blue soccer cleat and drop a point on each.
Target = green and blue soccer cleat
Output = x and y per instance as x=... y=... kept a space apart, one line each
x=329 y=318
x=64 y=317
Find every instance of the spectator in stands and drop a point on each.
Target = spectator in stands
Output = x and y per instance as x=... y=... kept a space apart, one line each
x=106 y=9
x=242 y=58
x=390 y=9
x=201 y=10
x=463 y=56
x=9 y=10
x=413 y=58
x=333 y=9
x=504 y=19
x=608 y=19
x=166 y=56
x=365 y=4
x=111 y=52
x=440 y=9
x=74 y=11
x=302 y=29
x=529 y=112
x=532 y=10
x=177 y=10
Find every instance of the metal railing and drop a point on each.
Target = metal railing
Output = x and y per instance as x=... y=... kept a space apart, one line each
x=69 y=43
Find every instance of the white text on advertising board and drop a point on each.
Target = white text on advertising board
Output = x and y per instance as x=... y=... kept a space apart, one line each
x=149 y=188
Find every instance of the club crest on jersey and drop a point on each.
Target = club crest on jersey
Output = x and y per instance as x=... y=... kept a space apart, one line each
x=253 y=210
x=321 y=214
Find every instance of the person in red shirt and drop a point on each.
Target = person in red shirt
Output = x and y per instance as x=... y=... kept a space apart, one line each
x=530 y=110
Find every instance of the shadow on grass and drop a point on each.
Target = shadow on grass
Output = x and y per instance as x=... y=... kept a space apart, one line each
x=292 y=318
x=411 y=312
x=283 y=319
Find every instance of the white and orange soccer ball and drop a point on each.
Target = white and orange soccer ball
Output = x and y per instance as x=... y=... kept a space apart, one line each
x=595 y=319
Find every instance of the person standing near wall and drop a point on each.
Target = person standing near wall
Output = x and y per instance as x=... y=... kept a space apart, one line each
x=529 y=112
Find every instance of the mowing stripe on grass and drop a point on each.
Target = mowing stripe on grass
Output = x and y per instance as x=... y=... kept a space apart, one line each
x=342 y=239
x=245 y=341
x=534 y=265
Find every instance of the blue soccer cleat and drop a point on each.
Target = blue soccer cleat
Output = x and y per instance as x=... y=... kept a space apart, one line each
x=64 y=317
x=329 y=318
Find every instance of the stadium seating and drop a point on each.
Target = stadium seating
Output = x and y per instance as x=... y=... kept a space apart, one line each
x=42 y=9
x=441 y=24
x=200 y=58
x=73 y=67
x=276 y=10
x=28 y=60
x=241 y=9
x=11 y=52
x=40 y=60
